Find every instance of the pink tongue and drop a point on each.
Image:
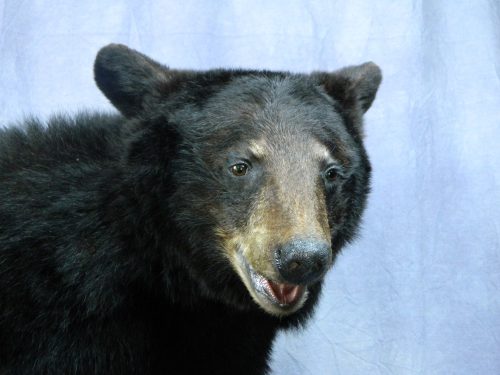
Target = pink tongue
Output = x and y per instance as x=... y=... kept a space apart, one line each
x=285 y=293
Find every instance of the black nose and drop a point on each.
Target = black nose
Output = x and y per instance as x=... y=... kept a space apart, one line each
x=303 y=261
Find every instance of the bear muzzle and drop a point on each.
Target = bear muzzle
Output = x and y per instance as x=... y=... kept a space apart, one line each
x=298 y=263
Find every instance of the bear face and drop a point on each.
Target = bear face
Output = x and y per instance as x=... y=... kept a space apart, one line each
x=264 y=174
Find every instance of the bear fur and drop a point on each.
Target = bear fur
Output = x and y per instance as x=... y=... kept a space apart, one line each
x=152 y=242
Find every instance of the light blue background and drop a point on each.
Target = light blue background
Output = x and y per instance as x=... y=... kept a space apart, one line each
x=419 y=292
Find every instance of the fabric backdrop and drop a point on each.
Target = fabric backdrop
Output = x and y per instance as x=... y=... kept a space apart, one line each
x=419 y=291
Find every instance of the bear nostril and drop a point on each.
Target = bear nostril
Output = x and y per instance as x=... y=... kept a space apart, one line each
x=278 y=252
x=318 y=266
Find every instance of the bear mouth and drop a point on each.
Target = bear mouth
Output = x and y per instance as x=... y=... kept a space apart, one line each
x=274 y=297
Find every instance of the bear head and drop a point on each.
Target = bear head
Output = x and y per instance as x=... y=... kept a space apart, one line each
x=263 y=174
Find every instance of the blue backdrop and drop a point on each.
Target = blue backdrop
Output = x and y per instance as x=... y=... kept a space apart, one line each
x=419 y=292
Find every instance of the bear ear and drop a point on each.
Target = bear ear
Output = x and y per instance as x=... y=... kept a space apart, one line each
x=354 y=87
x=129 y=79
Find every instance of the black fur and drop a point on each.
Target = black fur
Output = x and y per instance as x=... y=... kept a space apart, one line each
x=108 y=259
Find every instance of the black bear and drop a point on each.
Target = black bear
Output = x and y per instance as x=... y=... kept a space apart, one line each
x=181 y=235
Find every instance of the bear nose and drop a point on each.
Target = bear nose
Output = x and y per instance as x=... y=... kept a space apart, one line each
x=303 y=261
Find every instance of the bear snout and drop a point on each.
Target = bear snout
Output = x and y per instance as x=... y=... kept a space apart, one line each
x=303 y=261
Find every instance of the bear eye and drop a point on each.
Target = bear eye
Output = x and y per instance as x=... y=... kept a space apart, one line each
x=331 y=174
x=239 y=169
